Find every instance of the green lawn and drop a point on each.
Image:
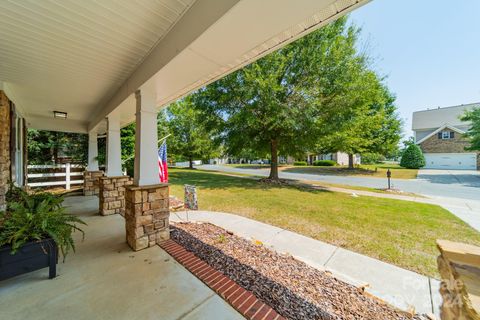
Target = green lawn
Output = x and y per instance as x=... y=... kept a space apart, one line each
x=398 y=232
x=371 y=170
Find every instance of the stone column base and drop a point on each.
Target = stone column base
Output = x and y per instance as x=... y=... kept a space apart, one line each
x=112 y=194
x=146 y=215
x=91 y=185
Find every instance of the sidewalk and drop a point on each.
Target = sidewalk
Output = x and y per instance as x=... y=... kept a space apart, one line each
x=401 y=288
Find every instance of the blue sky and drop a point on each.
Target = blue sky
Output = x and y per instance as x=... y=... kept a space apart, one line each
x=428 y=49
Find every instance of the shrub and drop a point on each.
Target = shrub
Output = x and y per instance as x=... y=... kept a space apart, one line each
x=412 y=157
x=36 y=217
x=300 y=163
x=324 y=163
x=372 y=158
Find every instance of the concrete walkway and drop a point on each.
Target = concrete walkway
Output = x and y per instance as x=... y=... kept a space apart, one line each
x=105 y=279
x=404 y=289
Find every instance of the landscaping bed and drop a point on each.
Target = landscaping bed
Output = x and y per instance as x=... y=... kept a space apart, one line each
x=294 y=289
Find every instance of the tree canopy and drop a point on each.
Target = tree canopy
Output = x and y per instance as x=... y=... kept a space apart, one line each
x=48 y=146
x=473 y=133
x=189 y=138
x=314 y=94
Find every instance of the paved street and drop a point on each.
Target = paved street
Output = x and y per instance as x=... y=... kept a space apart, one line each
x=455 y=190
x=461 y=184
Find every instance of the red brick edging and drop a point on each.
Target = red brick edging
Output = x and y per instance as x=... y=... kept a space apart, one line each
x=242 y=300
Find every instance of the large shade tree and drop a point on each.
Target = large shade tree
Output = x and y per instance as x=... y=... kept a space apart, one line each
x=287 y=101
x=365 y=122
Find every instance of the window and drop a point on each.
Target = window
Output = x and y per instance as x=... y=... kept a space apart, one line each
x=445 y=135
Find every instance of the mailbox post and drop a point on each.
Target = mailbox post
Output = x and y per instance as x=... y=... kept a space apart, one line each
x=389 y=175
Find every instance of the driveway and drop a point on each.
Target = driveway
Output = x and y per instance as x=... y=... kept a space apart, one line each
x=455 y=190
x=468 y=178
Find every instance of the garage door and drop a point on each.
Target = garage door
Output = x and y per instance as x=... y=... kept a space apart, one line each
x=465 y=161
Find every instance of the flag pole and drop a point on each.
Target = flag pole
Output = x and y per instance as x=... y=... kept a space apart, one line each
x=168 y=135
x=161 y=139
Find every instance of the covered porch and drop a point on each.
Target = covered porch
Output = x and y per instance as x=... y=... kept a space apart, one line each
x=94 y=68
x=104 y=279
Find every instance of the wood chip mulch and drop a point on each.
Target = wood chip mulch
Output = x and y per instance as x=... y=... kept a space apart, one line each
x=291 y=287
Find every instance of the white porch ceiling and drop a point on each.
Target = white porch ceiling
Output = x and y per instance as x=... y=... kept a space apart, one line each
x=67 y=55
x=87 y=58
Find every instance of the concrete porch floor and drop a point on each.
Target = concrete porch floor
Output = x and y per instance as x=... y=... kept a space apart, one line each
x=105 y=279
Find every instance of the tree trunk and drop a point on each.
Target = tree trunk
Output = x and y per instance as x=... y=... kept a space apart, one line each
x=190 y=162
x=274 y=162
x=350 y=161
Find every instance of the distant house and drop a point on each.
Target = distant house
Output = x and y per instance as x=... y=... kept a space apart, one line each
x=341 y=158
x=440 y=135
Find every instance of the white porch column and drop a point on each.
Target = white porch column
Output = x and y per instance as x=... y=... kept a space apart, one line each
x=92 y=151
x=146 y=149
x=114 y=155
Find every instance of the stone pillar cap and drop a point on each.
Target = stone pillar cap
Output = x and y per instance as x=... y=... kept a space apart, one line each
x=460 y=253
x=150 y=186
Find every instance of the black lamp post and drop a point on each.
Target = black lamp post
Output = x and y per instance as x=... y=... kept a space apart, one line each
x=389 y=175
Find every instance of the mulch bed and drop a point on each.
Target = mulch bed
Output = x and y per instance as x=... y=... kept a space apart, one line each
x=291 y=287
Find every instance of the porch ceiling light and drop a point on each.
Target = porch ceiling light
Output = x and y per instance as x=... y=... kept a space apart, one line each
x=60 y=114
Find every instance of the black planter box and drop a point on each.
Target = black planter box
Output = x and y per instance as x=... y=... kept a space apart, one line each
x=31 y=256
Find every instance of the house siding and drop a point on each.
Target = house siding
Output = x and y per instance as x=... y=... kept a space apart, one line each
x=4 y=147
x=419 y=135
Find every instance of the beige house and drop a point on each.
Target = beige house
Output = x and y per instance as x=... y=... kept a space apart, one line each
x=440 y=134
x=341 y=158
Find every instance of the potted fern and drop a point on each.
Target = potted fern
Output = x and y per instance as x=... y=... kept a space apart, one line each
x=32 y=230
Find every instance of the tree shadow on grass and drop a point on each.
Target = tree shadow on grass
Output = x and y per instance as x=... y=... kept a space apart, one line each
x=212 y=180
x=330 y=171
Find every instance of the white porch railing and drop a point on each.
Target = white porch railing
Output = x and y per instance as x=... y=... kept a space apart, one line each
x=54 y=182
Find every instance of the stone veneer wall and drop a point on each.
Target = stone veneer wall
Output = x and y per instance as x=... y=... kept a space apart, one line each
x=455 y=145
x=147 y=215
x=91 y=183
x=4 y=148
x=435 y=145
x=112 y=194
x=459 y=266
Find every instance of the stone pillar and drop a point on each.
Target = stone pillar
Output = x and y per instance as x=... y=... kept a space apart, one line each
x=114 y=155
x=112 y=194
x=146 y=207
x=91 y=183
x=92 y=151
x=459 y=266
x=146 y=215
x=4 y=148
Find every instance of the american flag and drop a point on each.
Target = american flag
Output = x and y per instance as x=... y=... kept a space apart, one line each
x=162 y=162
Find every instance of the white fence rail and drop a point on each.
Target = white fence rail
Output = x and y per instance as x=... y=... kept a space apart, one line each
x=67 y=174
